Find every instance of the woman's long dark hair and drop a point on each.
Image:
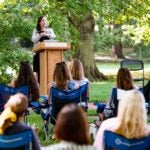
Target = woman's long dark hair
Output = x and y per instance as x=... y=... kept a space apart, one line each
x=72 y=125
x=27 y=77
x=38 y=27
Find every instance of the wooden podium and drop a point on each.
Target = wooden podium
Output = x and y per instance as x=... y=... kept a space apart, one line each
x=50 y=54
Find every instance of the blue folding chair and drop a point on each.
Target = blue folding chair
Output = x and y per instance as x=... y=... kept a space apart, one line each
x=84 y=96
x=6 y=91
x=59 y=98
x=112 y=141
x=19 y=141
x=113 y=109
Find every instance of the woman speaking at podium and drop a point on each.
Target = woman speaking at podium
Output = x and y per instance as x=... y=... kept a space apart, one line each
x=41 y=33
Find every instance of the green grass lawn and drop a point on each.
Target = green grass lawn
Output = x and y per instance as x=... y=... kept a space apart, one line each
x=100 y=91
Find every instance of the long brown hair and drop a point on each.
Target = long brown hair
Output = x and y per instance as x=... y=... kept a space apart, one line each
x=124 y=79
x=72 y=125
x=61 y=75
x=76 y=69
x=27 y=77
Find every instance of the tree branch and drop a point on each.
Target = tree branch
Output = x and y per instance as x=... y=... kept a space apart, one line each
x=74 y=20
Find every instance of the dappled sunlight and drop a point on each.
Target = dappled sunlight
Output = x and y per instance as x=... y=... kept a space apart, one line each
x=101 y=82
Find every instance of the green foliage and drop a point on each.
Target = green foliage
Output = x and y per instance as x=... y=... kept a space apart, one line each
x=142 y=51
x=104 y=40
x=9 y=60
x=18 y=18
x=133 y=18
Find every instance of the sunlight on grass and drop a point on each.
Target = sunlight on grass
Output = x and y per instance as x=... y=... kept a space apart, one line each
x=100 y=91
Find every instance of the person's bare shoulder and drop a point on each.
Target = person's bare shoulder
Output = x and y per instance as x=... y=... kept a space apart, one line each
x=12 y=83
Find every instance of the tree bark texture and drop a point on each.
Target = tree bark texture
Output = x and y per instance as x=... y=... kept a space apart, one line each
x=85 y=52
x=118 y=50
x=118 y=45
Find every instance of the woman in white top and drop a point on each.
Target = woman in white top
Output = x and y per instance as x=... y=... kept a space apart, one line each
x=131 y=121
x=72 y=130
x=124 y=83
x=41 y=33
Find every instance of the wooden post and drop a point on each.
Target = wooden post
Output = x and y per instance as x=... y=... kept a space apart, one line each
x=50 y=54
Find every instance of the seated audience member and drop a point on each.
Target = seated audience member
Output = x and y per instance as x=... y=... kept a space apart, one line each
x=62 y=78
x=77 y=72
x=26 y=77
x=71 y=130
x=124 y=83
x=131 y=121
x=11 y=118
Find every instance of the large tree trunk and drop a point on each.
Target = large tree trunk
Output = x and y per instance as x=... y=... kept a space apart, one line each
x=117 y=47
x=85 y=51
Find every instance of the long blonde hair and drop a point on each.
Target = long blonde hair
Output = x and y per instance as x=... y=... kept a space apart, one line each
x=132 y=115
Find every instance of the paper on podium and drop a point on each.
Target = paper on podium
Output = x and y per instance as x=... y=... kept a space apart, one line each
x=51 y=44
x=50 y=41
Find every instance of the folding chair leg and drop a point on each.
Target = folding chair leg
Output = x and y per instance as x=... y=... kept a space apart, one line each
x=26 y=116
x=45 y=133
x=25 y=119
x=48 y=131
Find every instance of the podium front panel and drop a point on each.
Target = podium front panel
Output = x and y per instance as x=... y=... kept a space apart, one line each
x=43 y=73
x=48 y=59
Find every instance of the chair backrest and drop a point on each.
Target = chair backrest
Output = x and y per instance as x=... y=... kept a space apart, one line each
x=84 y=96
x=84 y=92
x=146 y=91
x=112 y=141
x=114 y=101
x=19 y=141
x=134 y=65
x=116 y=96
x=112 y=110
x=59 y=98
x=7 y=91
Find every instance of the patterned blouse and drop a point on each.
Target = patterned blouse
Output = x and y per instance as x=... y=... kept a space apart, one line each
x=63 y=145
